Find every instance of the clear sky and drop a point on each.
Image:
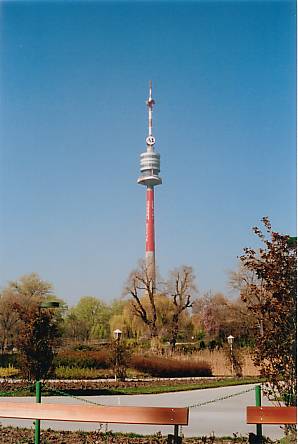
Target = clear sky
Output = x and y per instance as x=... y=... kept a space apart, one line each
x=73 y=120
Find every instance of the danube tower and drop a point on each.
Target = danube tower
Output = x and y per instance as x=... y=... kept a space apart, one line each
x=150 y=168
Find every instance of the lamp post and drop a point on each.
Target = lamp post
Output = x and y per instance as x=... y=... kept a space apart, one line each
x=230 y=341
x=117 y=334
x=117 y=337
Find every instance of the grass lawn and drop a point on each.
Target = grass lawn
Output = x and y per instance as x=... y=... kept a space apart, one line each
x=155 y=389
x=92 y=388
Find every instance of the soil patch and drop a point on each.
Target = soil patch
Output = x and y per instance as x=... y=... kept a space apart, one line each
x=9 y=435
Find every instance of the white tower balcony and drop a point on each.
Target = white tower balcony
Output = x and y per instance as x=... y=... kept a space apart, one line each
x=150 y=168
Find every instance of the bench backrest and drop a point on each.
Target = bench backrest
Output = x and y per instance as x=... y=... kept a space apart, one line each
x=101 y=414
x=271 y=415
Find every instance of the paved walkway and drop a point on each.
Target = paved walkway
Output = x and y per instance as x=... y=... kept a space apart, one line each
x=223 y=417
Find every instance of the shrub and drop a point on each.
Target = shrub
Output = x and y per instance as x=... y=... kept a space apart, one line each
x=7 y=359
x=202 y=345
x=78 y=373
x=170 y=368
x=119 y=358
x=212 y=345
x=86 y=359
x=83 y=347
x=186 y=348
x=38 y=336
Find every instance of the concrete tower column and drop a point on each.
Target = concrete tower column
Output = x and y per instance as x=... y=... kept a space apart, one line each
x=150 y=168
x=150 y=235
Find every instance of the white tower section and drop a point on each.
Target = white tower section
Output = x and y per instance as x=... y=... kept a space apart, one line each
x=150 y=160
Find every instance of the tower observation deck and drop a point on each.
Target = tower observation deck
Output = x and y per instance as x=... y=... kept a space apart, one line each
x=150 y=160
x=150 y=169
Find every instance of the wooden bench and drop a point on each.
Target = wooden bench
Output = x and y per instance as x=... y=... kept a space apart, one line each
x=271 y=415
x=100 y=414
x=268 y=415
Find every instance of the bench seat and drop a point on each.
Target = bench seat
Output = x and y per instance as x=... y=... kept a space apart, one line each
x=101 y=414
x=271 y=415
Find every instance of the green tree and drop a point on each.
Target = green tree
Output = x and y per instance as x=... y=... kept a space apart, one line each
x=89 y=319
x=272 y=296
x=30 y=288
x=123 y=317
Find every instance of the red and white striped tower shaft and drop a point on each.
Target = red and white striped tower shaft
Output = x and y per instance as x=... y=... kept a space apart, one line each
x=150 y=168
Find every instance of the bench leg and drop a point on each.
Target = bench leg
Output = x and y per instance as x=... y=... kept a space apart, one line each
x=254 y=439
x=175 y=439
x=176 y=434
x=259 y=434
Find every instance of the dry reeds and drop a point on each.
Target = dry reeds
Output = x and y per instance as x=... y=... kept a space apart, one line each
x=220 y=363
x=171 y=368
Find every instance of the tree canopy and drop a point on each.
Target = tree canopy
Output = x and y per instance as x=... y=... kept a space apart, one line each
x=272 y=297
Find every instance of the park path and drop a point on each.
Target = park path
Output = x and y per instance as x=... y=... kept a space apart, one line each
x=223 y=417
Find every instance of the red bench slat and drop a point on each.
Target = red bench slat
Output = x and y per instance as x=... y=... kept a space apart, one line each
x=106 y=414
x=271 y=415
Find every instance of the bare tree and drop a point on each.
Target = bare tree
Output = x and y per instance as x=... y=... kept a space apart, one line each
x=252 y=290
x=219 y=317
x=181 y=289
x=140 y=286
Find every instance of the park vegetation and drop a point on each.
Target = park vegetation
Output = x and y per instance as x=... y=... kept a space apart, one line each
x=268 y=287
x=168 y=328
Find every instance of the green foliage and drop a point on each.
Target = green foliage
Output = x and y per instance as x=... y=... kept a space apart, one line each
x=272 y=298
x=200 y=335
x=83 y=359
x=78 y=373
x=89 y=319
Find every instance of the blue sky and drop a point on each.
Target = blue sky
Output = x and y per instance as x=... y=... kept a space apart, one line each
x=74 y=80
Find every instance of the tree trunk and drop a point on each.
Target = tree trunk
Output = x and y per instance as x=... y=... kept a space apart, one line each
x=175 y=330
